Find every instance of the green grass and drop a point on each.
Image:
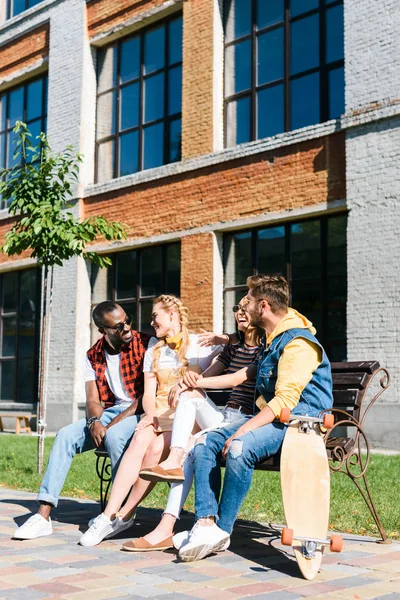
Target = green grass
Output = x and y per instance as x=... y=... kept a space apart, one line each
x=263 y=503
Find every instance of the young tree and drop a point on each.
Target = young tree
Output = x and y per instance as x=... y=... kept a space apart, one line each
x=38 y=192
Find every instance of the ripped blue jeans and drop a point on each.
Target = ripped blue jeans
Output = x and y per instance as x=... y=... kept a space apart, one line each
x=243 y=454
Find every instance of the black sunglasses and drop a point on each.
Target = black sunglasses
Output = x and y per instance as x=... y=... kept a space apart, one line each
x=238 y=307
x=120 y=326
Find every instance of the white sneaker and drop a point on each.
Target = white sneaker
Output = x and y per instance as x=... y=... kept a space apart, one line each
x=92 y=520
x=203 y=540
x=36 y=526
x=181 y=538
x=103 y=528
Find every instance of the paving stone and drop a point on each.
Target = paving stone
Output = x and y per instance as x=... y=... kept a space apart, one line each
x=393 y=596
x=280 y=595
x=25 y=594
x=350 y=582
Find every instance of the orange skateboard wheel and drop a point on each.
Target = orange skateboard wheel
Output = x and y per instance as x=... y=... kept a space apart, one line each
x=285 y=415
x=336 y=544
x=287 y=535
x=329 y=421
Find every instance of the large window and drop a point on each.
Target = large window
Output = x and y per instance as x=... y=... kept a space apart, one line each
x=137 y=277
x=19 y=329
x=284 y=66
x=312 y=256
x=15 y=7
x=26 y=103
x=139 y=101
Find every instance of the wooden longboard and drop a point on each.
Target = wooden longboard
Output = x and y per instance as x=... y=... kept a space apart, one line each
x=305 y=483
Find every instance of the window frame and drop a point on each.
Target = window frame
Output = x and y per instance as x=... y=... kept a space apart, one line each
x=139 y=299
x=18 y=313
x=322 y=334
x=323 y=68
x=166 y=120
x=10 y=4
x=43 y=117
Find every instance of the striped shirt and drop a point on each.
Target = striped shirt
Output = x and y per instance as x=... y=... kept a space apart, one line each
x=235 y=357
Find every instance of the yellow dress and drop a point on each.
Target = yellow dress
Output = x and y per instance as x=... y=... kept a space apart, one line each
x=166 y=379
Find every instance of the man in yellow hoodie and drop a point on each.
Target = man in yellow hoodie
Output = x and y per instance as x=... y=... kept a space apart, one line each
x=293 y=372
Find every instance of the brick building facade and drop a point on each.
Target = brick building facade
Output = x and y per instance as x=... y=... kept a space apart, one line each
x=230 y=137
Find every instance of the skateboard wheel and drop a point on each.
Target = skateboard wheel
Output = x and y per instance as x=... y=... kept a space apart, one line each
x=329 y=421
x=287 y=535
x=285 y=416
x=336 y=544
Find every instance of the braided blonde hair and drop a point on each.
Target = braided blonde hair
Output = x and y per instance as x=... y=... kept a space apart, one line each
x=172 y=302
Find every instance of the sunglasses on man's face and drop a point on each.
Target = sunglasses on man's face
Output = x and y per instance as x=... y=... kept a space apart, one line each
x=120 y=326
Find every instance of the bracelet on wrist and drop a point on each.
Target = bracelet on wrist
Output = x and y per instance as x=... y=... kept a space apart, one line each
x=90 y=421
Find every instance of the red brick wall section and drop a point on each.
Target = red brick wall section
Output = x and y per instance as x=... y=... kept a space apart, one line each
x=24 y=51
x=287 y=178
x=197 y=78
x=4 y=227
x=197 y=279
x=104 y=14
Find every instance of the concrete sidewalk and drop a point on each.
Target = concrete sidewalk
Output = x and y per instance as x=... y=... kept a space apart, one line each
x=255 y=566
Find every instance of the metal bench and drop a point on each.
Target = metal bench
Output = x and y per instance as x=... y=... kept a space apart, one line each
x=356 y=388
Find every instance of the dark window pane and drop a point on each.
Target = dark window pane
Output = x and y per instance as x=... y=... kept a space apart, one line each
x=146 y=309
x=174 y=269
x=238 y=122
x=129 y=107
x=336 y=251
x=175 y=90
x=153 y=146
x=306 y=249
x=306 y=298
x=106 y=68
x=154 y=49
x=3 y=113
x=34 y=99
x=26 y=376
x=15 y=106
x=238 y=18
x=33 y=3
x=35 y=128
x=337 y=352
x=130 y=59
x=230 y=299
x=270 y=111
x=154 y=98
x=297 y=7
x=175 y=41
x=9 y=336
x=336 y=93
x=2 y=151
x=18 y=6
x=334 y=34
x=126 y=268
x=7 y=379
x=304 y=44
x=11 y=149
x=304 y=101
x=336 y=317
x=10 y=292
x=269 y=13
x=271 y=250
x=28 y=294
x=129 y=153
x=130 y=309
x=152 y=271
x=175 y=140
x=270 y=56
x=105 y=161
x=237 y=258
x=238 y=68
x=26 y=339
x=106 y=114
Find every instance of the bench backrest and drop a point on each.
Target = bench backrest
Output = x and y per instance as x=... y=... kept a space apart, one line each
x=350 y=384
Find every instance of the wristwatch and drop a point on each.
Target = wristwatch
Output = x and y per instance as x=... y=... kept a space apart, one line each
x=90 y=421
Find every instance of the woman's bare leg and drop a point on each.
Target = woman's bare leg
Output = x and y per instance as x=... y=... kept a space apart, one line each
x=158 y=449
x=128 y=470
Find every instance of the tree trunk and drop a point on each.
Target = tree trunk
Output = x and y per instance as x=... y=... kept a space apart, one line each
x=44 y=351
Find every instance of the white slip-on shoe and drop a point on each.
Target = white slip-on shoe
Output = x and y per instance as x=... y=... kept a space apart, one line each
x=36 y=526
x=102 y=528
x=181 y=538
x=92 y=520
x=203 y=540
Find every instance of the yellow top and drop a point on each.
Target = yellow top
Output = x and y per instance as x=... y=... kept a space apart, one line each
x=296 y=365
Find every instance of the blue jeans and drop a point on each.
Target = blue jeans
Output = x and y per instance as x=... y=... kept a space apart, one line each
x=243 y=454
x=75 y=439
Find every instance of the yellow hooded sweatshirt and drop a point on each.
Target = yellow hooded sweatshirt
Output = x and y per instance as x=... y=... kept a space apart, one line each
x=296 y=365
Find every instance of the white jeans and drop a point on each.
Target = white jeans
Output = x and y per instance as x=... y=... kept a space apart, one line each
x=208 y=416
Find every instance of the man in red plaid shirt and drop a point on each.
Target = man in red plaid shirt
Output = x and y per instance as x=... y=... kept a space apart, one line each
x=114 y=388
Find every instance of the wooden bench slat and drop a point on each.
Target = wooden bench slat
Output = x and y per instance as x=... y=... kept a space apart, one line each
x=369 y=366
x=350 y=381
x=347 y=398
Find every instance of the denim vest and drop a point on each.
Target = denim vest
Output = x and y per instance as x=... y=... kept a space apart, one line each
x=317 y=394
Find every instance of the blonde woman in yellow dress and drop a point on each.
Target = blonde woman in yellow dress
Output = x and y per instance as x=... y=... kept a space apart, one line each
x=168 y=357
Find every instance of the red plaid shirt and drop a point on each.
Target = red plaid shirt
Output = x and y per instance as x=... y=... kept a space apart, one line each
x=131 y=368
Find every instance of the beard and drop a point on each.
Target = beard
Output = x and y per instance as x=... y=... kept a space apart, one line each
x=255 y=317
